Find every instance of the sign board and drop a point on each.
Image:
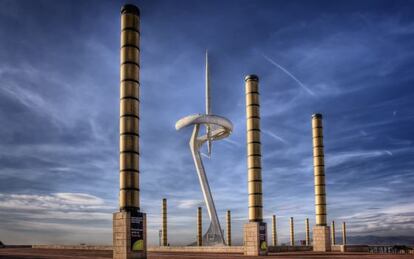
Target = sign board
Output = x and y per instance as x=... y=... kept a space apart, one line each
x=137 y=231
x=263 y=237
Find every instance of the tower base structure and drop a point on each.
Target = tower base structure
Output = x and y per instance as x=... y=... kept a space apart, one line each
x=129 y=235
x=321 y=239
x=255 y=239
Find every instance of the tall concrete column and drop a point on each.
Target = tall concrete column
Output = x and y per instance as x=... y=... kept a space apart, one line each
x=307 y=235
x=129 y=110
x=164 y=237
x=321 y=235
x=319 y=170
x=343 y=233
x=292 y=232
x=129 y=223
x=254 y=156
x=228 y=225
x=274 y=231
x=333 y=238
x=255 y=236
x=199 y=226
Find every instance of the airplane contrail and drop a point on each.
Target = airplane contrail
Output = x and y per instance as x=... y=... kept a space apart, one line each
x=289 y=74
x=275 y=136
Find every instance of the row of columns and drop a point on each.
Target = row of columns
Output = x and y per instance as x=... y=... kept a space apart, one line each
x=164 y=238
x=307 y=232
x=200 y=227
x=333 y=235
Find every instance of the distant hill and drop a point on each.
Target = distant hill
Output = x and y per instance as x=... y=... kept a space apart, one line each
x=377 y=240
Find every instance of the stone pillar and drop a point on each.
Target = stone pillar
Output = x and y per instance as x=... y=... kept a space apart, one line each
x=228 y=225
x=333 y=239
x=274 y=231
x=321 y=235
x=164 y=236
x=199 y=226
x=255 y=236
x=129 y=225
x=343 y=233
x=307 y=235
x=292 y=232
x=126 y=244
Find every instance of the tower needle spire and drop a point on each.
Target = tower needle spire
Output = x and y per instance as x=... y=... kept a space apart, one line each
x=208 y=106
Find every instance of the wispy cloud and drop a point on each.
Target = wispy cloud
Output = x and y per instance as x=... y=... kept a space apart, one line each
x=273 y=135
x=289 y=74
x=343 y=157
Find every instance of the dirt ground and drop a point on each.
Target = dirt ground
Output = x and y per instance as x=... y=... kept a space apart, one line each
x=30 y=253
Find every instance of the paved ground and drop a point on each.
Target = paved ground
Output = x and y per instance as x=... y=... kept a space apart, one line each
x=29 y=253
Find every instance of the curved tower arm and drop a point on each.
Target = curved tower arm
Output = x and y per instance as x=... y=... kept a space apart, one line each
x=195 y=145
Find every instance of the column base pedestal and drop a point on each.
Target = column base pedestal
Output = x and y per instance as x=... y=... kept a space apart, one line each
x=129 y=235
x=255 y=239
x=321 y=239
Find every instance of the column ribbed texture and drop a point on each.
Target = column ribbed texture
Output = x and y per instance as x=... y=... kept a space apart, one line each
x=319 y=170
x=254 y=159
x=228 y=230
x=199 y=227
x=129 y=110
x=307 y=234
x=292 y=232
x=343 y=233
x=274 y=231
x=164 y=238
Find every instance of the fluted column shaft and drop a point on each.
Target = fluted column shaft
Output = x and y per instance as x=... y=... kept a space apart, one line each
x=292 y=232
x=274 y=231
x=254 y=159
x=228 y=225
x=129 y=110
x=343 y=233
x=319 y=170
x=307 y=234
x=333 y=238
x=199 y=226
x=164 y=237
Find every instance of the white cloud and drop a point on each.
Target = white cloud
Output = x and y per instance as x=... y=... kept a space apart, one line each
x=187 y=204
x=79 y=198
x=56 y=201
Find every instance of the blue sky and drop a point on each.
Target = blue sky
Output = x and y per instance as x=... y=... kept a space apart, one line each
x=59 y=86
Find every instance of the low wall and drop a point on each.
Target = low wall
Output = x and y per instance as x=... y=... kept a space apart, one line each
x=16 y=246
x=278 y=249
x=336 y=248
x=356 y=248
x=350 y=248
x=190 y=249
x=212 y=249
x=198 y=249
x=76 y=247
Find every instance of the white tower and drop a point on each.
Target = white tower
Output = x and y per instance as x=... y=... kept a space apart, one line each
x=217 y=127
